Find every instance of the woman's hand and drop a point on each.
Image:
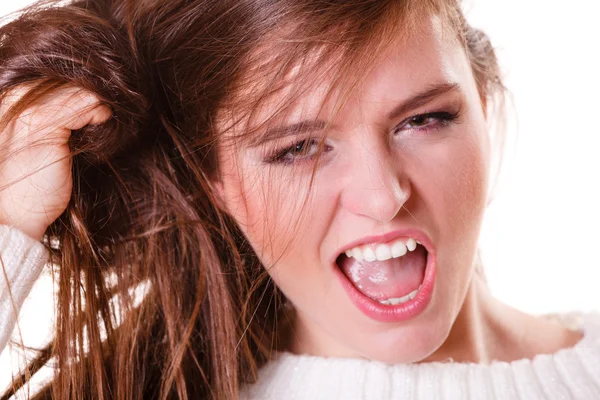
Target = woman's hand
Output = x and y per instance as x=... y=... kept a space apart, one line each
x=35 y=162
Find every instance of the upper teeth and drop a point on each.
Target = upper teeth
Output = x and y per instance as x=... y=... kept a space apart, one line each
x=382 y=252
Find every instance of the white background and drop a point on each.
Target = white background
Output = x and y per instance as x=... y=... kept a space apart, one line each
x=541 y=234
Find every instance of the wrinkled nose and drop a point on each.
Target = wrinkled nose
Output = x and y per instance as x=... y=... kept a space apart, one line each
x=375 y=188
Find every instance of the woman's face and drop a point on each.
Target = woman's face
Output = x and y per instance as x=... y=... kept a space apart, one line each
x=405 y=160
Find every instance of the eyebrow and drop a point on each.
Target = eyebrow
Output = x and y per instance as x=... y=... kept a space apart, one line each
x=289 y=130
x=420 y=99
x=306 y=126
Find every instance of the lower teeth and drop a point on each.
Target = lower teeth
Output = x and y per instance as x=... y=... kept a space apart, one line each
x=400 y=300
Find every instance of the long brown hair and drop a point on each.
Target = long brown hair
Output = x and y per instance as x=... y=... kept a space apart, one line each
x=143 y=212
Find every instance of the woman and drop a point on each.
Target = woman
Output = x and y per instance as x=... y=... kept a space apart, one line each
x=297 y=188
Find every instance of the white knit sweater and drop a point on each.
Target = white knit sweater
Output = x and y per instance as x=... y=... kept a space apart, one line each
x=568 y=374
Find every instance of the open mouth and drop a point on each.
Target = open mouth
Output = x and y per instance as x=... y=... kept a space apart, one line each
x=390 y=274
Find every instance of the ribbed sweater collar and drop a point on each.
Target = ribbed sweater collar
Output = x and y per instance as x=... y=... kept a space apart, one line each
x=572 y=373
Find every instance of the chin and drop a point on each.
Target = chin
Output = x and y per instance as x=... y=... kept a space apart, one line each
x=410 y=344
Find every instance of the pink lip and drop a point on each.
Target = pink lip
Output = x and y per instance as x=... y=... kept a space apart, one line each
x=401 y=312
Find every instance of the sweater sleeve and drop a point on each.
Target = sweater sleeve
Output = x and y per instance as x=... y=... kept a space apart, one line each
x=21 y=262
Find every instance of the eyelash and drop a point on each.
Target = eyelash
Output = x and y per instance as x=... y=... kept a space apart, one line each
x=278 y=156
x=443 y=118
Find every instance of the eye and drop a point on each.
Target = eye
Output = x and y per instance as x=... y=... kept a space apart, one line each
x=425 y=122
x=421 y=121
x=302 y=150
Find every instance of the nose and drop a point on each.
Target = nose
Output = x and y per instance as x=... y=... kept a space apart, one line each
x=375 y=188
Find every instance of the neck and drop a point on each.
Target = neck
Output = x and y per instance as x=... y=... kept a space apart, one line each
x=470 y=337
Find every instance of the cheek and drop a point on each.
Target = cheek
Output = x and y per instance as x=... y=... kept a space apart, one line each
x=274 y=208
x=454 y=179
x=451 y=183
x=465 y=186
x=458 y=199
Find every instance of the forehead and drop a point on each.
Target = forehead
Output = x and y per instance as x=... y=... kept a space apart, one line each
x=428 y=56
x=321 y=83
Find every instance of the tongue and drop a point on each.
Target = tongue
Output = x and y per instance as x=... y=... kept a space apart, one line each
x=393 y=278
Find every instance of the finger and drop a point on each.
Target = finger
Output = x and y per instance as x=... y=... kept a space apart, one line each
x=10 y=98
x=53 y=117
x=74 y=108
x=61 y=107
x=83 y=108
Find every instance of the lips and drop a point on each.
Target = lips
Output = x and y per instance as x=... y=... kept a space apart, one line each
x=389 y=277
